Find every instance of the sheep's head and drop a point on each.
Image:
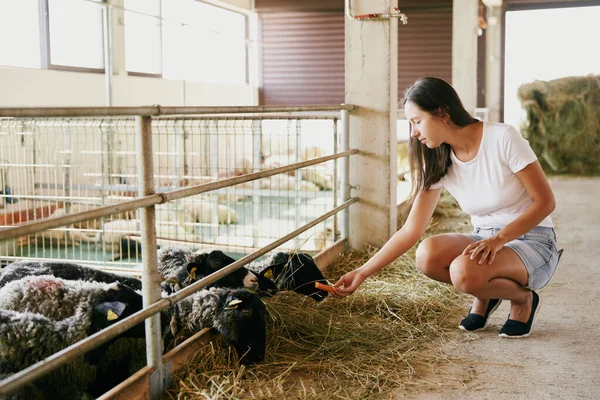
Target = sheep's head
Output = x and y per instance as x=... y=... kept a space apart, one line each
x=297 y=272
x=208 y=263
x=242 y=321
x=119 y=302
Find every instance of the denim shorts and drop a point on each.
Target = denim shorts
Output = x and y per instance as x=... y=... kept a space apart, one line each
x=537 y=250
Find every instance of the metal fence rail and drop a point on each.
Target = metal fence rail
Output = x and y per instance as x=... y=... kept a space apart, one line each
x=146 y=177
x=61 y=166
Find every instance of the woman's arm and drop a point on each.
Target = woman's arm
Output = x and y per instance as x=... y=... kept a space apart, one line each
x=533 y=179
x=416 y=224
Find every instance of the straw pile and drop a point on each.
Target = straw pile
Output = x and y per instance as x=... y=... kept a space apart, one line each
x=563 y=123
x=368 y=345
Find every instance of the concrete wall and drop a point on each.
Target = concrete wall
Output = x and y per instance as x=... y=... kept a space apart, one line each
x=372 y=85
x=22 y=87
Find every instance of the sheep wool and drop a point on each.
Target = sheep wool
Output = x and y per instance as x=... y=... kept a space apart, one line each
x=172 y=261
x=236 y=314
x=41 y=315
x=71 y=271
x=26 y=338
x=53 y=297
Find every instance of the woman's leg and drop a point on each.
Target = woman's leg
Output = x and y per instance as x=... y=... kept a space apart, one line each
x=436 y=253
x=440 y=258
x=503 y=279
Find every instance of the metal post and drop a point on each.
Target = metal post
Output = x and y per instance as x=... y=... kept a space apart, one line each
x=298 y=173
x=151 y=278
x=67 y=167
x=213 y=131
x=345 y=124
x=256 y=156
x=336 y=171
x=108 y=69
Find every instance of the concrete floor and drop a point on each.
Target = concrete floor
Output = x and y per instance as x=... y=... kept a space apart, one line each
x=561 y=358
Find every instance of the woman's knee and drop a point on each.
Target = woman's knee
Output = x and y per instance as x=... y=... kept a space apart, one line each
x=466 y=276
x=427 y=260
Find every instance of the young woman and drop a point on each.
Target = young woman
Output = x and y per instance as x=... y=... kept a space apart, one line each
x=490 y=169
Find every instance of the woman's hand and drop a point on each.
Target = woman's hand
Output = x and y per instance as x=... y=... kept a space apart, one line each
x=348 y=283
x=484 y=249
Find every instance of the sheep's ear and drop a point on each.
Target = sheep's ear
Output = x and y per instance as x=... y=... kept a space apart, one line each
x=193 y=269
x=109 y=310
x=232 y=303
x=267 y=273
x=278 y=269
x=217 y=260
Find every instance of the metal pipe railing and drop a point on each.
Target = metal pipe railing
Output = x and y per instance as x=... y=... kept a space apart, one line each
x=345 y=127
x=151 y=277
x=41 y=368
x=153 y=302
x=159 y=198
x=157 y=110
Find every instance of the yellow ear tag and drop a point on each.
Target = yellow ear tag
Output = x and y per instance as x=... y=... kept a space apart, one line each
x=111 y=316
x=269 y=274
x=233 y=304
x=193 y=273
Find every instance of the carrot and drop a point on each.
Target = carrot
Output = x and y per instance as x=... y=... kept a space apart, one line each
x=324 y=287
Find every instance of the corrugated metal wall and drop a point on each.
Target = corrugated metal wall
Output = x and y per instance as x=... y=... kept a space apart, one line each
x=302 y=58
x=303 y=46
x=424 y=47
x=511 y=4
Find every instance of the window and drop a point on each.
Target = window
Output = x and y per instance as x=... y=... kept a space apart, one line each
x=52 y=33
x=76 y=34
x=143 y=36
x=204 y=43
x=20 y=33
x=215 y=42
x=174 y=39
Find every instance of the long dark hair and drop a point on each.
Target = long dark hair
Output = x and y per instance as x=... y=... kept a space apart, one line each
x=436 y=97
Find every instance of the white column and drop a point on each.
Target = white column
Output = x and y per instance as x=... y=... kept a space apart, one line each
x=118 y=38
x=464 y=51
x=372 y=85
x=493 y=63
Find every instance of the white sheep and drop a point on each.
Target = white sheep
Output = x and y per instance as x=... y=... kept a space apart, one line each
x=71 y=235
x=323 y=239
x=319 y=175
x=201 y=210
x=111 y=238
x=286 y=182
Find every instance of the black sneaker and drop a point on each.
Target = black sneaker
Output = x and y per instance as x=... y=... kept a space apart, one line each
x=475 y=322
x=518 y=329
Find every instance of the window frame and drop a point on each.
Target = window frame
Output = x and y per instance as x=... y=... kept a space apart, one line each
x=45 y=45
x=45 y=42
x=145 y=74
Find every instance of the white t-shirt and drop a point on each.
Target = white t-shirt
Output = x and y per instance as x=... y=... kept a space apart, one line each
x=486 y=187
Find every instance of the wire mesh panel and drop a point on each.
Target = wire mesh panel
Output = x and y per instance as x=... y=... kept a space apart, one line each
x=58 y=166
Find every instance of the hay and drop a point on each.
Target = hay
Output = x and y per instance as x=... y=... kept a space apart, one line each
x=563 y=123
x=368 y=345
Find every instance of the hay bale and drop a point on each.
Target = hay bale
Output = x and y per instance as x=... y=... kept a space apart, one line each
x=563 y=123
